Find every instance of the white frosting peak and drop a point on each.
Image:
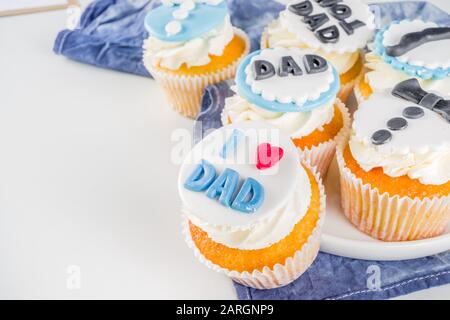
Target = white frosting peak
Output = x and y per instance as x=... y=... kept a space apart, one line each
x=279 y=36
x=381 y=77
x=195 y=52
x=296 y=124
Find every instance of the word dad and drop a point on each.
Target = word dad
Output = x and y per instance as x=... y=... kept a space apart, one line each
x=338 y=10
x=203 y=178
x=263 y=69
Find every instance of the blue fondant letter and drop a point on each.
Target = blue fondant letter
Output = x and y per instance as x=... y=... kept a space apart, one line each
x=201 y=178
x=224 y=187
x=250 y=197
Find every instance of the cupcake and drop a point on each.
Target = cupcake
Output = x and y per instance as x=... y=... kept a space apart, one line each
x=251 y=211
x=334 y=29
x=191 y=45
x=395 y=169
x=295 y=91
x=406 y=49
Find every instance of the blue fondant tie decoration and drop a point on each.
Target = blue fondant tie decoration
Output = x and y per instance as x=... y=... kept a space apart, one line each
x=198 y=21
x=231 y=145
x=245 y=91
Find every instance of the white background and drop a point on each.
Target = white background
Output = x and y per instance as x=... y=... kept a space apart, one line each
x=86 y=179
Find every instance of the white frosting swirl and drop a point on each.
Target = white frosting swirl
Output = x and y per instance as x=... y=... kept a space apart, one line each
x=277 y=226
x=383 y=77
x=431 y=168
x=195 y=52
x=296 y=124
x=278 y=35
x=420 y=151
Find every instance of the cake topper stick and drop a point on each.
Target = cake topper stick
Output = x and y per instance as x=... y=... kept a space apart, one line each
x=415 y=39
x=410 y=90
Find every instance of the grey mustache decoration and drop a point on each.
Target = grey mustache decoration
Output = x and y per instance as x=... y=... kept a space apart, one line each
x=410 y=90
x=415 y=39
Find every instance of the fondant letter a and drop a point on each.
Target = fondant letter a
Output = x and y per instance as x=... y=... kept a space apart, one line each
x=224 y=187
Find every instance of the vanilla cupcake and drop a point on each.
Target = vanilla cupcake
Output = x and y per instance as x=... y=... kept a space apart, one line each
x=191 y=45
x=395 y=170
x=294 y=90
x=406 y=49
x=251 y=211
x=334 y=29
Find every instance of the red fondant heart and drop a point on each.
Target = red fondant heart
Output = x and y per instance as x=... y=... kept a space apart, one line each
x=268 y=156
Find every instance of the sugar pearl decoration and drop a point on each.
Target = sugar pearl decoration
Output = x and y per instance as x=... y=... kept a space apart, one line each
x=187 y=5
x=173 y=27
x=180 y=14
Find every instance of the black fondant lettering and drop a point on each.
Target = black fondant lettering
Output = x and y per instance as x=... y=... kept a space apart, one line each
x=340 y=11
x=263 y=69
x=316 y=21
x=289 y=66
x=327 y=3
x=304 y=8
x=314 y=63
x=328 y=35
x=349 y=27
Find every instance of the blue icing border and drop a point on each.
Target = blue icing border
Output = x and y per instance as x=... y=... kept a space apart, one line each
x=245 y=91
x=409 y=69
x=201 y=19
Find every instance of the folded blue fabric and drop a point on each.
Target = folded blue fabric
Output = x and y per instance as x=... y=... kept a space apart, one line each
x=111 y=32
x=110 y=35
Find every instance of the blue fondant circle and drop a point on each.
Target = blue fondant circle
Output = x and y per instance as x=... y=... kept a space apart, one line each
x=201 y=19
x=409 y=69
x=245 y=91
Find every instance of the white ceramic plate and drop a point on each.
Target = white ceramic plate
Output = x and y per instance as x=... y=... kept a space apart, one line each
x=341 y=238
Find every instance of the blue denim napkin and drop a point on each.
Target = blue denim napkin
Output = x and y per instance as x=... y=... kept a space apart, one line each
x=110 y=35
x=111 y=32
x=330 y=276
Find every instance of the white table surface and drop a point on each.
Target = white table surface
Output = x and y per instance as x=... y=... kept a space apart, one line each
x=86 y=179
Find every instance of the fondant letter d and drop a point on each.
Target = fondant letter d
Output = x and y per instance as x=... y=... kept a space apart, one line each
x=201 y=178
x=250 y=197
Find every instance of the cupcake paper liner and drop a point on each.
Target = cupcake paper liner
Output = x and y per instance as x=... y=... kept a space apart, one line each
x=357 y=92
x=322 y=155
x=282 y=273
x=386 y=217
x=184 y=92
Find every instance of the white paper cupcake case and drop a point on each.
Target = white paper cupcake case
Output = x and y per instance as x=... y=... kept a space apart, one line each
x=184 y=92
x=389 y=218
x=281 y=274
x=321 y=156
x=357 y=92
